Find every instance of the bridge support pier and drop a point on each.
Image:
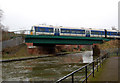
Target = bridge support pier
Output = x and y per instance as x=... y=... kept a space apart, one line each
x=96 y=50
x=46 y=48
x=40 y=48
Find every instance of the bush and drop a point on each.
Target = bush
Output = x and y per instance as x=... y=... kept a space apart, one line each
x=82 y=49
x=63 y=50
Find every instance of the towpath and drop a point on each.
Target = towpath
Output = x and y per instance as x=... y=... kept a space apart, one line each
x=109 y=71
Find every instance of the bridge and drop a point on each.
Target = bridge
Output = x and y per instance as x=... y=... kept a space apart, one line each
x=64 y=40
x=47 y=43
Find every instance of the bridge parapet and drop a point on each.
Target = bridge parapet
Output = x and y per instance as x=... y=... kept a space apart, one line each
x=64 y=40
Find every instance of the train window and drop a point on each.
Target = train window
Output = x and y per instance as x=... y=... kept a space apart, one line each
x=99 y=33
x=92 y=32
x=73 y=31
x=67 y=31
x=102 y=33
x=63 y=31
x=36 y=29
x=119 y=33
x=50 y=30
x=96 y=33
x=78 y=32
x=113 y=33
x=108 y=33
x=82 y=32
x=42 y=29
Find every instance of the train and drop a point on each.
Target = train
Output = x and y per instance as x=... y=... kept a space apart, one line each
x=70 y=31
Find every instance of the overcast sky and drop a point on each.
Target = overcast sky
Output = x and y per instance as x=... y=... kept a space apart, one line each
x=22 y=14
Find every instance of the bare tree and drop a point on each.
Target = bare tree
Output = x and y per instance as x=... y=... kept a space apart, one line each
x=1 y=26
x=1 y=14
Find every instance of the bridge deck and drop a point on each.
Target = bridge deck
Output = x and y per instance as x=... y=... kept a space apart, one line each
x=75 y=40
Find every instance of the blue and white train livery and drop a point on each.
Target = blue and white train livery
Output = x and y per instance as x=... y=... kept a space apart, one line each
x=69 y=31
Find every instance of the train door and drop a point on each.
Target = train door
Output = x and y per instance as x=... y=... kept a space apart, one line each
x=87 y=33
x=57 y=32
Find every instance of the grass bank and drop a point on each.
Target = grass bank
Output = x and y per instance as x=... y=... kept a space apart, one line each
x=21 y=51
x=16 y=52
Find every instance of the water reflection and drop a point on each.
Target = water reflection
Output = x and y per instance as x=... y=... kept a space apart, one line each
x=87 y=58
x=42 y=69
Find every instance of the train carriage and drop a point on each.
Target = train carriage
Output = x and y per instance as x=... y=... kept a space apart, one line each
x=118 y=36
x=72 y=32
x=97 y=33
x=43 y=30
x=69 y=31
x=112 y=34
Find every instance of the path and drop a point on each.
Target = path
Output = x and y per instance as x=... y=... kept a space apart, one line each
x=109 y=71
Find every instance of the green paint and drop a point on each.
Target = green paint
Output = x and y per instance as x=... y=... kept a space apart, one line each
x=74 y=40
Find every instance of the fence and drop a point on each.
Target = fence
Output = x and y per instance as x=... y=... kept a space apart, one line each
x=88 y=70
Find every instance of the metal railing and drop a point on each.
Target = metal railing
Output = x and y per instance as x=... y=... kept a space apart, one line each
x=94 y=66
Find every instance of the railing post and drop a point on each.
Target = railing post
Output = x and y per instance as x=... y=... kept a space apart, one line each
x=93 y=69
x=107 y=55
x=86 y=73
x=72 y=78
x=100 y=61
x=97 y=65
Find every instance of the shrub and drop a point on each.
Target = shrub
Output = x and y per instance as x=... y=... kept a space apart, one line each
x=82 y=49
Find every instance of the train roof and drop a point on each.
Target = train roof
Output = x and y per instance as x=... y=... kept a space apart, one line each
x=113 y=30
x=44 y=25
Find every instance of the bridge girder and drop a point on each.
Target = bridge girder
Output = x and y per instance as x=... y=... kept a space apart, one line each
x=63 y=40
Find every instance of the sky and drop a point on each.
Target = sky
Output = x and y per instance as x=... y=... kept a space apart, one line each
x=22 y=14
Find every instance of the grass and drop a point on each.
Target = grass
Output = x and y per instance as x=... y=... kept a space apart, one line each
x=16 y=52
x=73 y=52
x=110 y=44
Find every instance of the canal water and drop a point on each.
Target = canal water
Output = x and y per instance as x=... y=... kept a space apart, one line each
x=45 y=69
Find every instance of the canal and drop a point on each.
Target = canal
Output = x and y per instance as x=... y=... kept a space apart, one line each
x=45 y=69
